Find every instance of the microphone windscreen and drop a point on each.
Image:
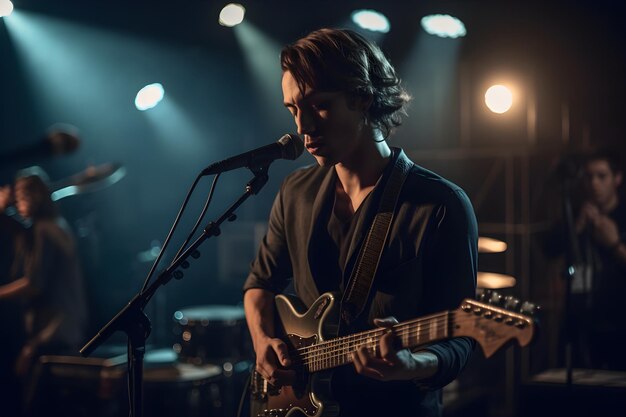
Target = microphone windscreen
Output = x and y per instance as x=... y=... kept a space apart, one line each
x=293 y=146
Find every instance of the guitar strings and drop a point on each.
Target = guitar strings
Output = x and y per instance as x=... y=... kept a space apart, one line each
x=336 y=350
x=319 y=355
x=370 y=333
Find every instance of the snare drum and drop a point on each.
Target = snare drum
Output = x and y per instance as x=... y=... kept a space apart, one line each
x=211 y=334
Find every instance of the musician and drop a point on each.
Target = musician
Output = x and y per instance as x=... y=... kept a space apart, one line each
x=346 y=100
x=45 y=272
x=601 y=229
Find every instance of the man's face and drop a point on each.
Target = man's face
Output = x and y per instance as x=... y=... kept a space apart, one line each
x=601 y=182
x=332 y=125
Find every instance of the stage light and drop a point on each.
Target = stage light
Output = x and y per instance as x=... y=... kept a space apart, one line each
x=371 y=20
x=149 y=96
x=6 y=8
x=498 y=99
x=232 y=14
x=443 y=25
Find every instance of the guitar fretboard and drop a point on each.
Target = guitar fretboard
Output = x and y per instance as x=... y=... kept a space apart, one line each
x=336 y=352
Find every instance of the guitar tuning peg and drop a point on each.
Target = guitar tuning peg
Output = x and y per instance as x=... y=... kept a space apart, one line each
x=483 y=295
x=511 y=303
x=529 y=308
x=495 y=299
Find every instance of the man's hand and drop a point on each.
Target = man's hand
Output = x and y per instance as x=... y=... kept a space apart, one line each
x=605 y=231
x=588 y=214
x=271 y=354
x=393 y=364
x=5 y=197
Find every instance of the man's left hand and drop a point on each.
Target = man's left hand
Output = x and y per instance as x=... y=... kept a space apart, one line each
x=605 y=231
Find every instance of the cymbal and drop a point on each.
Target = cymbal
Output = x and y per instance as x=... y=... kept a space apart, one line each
x=94 y=178
x=490 y=245
x=494 y=281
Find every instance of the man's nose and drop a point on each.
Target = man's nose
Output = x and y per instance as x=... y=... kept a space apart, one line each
x=305 y=122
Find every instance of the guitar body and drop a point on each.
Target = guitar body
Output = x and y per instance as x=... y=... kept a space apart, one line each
x=300 y=328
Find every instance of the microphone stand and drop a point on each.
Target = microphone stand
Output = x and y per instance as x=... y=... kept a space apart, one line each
x=572 y=261
x=133 y=321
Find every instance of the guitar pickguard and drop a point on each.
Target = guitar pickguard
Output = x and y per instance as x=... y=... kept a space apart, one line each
x=300 y=328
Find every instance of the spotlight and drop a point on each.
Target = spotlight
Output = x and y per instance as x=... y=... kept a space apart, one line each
x=443 y=25
x=6 y=8
x=498 y=99
x=149 y=96
x=232 y=14
x=371 y=20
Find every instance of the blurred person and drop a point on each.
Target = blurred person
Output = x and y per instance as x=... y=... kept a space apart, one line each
x=45 y=275
x=601 y=229
x=11 y=325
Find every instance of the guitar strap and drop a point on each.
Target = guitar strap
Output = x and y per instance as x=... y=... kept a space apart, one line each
x=362 y=277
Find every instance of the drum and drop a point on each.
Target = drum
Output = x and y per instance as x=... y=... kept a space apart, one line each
x=173 y=388
x=213 y=334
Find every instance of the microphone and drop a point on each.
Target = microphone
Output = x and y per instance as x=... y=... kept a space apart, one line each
x=290 y=146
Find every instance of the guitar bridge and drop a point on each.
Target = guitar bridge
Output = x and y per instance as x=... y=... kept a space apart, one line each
x=260 y=389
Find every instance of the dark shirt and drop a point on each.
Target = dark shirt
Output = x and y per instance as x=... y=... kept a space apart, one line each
x=46 y=255
x=338 y=236
x=428 y=265
x=609 y=278
x=597 y=329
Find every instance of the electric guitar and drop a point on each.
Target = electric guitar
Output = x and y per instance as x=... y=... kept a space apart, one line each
x=314 y=349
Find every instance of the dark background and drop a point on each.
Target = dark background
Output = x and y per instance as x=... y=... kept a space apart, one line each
x=81 y=63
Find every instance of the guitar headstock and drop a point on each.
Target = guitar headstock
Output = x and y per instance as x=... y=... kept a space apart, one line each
x=493 y=321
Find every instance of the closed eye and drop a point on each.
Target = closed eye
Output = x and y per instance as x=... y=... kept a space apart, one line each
x=322 y=105
x=292 y=109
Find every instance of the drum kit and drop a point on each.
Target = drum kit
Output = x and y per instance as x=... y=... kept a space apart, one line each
x=206 y=369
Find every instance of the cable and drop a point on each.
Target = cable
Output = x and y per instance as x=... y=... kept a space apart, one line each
x=242 y=400
x=176 y=221
x=202 y=214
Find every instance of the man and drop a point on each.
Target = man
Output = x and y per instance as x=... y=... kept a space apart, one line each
x=601 y=228
x=346 y=99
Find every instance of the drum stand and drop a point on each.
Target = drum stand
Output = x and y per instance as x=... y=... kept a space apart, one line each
x=133 y=321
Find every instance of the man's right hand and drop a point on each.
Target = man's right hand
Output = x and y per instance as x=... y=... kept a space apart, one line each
x=272 y=357
x=271 y=360
x=588 y=214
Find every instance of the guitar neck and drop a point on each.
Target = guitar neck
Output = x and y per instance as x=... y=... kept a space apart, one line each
x=410 y=334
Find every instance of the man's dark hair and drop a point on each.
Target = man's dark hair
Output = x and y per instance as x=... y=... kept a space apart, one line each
x=343 y=60
x=611 y=156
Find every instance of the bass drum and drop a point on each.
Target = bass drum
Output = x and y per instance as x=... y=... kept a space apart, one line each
x=212 y=334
